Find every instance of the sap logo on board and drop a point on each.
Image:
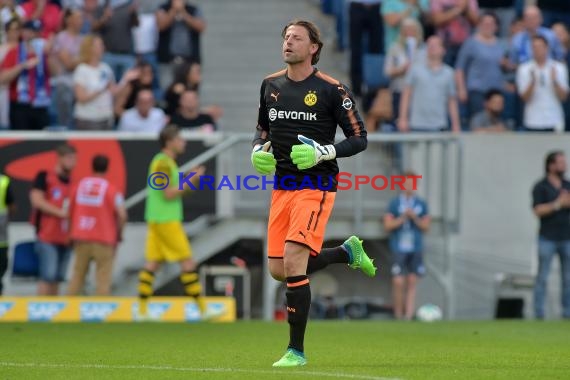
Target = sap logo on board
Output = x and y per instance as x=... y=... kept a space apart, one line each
x=5 y=307
x=44 y=311
x=97 y=311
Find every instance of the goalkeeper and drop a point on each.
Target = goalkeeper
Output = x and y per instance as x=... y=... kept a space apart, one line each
x=299 y=111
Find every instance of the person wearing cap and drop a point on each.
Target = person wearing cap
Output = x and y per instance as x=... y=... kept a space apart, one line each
x=25 y=70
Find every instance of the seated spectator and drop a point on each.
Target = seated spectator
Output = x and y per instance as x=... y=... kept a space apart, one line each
x=543 y=85
x=142 y=79
x=9 y=10
x=429 y=92
x=189 y=116
x=490 y=119
x=66 y=59
x=145 y=116
x=188 y=77
x=25 y=69
x=454 y=20
x=478 y=67
x=42 y=10
x=13 y=29
x=180 y=25
x=94 y=87
x=400 y=57
x=521 y=44
x=115 y=22
x=395 y=12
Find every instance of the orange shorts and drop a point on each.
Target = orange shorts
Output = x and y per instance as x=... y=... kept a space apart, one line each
x=299 y=216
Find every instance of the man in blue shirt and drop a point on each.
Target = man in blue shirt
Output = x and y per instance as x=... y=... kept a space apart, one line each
x=407 y=220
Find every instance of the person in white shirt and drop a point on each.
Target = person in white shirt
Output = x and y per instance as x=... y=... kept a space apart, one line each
x=144 y=117
x=543 y=85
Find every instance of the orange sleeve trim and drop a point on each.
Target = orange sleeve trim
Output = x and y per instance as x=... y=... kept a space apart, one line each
x=298 y=283
x=277 y=74
x=327 y=78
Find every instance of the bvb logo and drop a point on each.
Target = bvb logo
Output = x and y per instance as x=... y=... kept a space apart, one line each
x=311 y=98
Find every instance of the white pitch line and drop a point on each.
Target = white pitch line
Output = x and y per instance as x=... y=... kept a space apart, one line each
x=185 y=369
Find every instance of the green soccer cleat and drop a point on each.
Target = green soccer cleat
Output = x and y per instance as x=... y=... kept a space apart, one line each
x=292 y=358
x=360 y=259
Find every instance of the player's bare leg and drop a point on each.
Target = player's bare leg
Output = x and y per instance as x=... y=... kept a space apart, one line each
x=398 y=296
x=298 y=294
x=411 y=282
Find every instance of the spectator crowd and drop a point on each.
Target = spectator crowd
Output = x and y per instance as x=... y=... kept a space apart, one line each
x=130 y=65
x=460 y=65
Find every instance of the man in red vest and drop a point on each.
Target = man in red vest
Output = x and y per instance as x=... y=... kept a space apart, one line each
x=97 y=215
x=50 y=199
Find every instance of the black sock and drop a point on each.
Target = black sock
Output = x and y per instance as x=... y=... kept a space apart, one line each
x=336 y=255
x=298 y=305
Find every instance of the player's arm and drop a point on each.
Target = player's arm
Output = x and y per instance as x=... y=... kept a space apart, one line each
x=261 y=159
x=10 y=200
x=349 y=119
x=173 y=191
x=121 y=214
x=38 y=198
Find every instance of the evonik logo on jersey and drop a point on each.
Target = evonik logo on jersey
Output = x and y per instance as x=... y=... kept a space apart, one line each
x=44 y=311
x=292 y=115
x=96 y=311
x=5 y=307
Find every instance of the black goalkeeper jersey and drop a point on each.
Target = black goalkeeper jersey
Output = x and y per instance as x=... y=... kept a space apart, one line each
x=313 y=107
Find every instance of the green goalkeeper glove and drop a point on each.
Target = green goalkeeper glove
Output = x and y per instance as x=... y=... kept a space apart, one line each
x=310 y=153
x=263 y=160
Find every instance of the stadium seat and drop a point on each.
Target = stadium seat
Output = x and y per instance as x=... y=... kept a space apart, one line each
x=25 y=262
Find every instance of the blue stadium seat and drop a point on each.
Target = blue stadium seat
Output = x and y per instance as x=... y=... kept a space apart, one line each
x=373 y=72
x=25 y=262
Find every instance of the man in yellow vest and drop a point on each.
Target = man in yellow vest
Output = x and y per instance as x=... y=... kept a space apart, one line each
x=7 y=207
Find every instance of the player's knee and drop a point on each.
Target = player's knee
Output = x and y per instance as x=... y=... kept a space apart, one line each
x=152 y=266
x=398 y=281
x=188 y=265
x=277 y=274
x=295 y=260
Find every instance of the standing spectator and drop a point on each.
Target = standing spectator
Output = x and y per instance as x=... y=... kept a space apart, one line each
x=89 y=10
x=454 y=20
x=115 y=22
x=394 y=12
x=9 y=10
x=180 y=25
x=543 y=85
x=49 y=198
x=554 y=11
x=7 y=209
x=430 y=89
x=42 y=10
x=66 y=52
x=505 y=11
x=563 y=36
x=13 y=30
x=97 y=217
x=521 y=44
x=551 y=204
x=400 y=57
x=407 y=220
x=145 y=116
x=94 y=86
x=145 y=37
x=478 y=67
x=25 y=69
x=364 y=19
x=189 y=115
x=490 y=119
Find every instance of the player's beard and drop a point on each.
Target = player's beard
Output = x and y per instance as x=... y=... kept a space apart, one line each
x=292 y=59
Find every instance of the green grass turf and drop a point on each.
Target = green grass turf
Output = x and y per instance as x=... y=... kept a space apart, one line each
x=246 y=350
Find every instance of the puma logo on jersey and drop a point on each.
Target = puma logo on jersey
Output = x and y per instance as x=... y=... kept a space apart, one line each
x=273 y=95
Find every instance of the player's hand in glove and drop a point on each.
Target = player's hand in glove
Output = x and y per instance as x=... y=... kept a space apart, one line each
x=310 y=153
x=263 y=160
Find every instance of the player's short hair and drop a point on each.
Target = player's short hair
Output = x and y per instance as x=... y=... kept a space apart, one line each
x=65 y=149
x=540 y=38
x=314 y=36
x=100 y=163
x=551 y=158
x=168 y=133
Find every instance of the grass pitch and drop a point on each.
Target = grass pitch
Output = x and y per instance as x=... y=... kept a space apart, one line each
x=246 y=350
